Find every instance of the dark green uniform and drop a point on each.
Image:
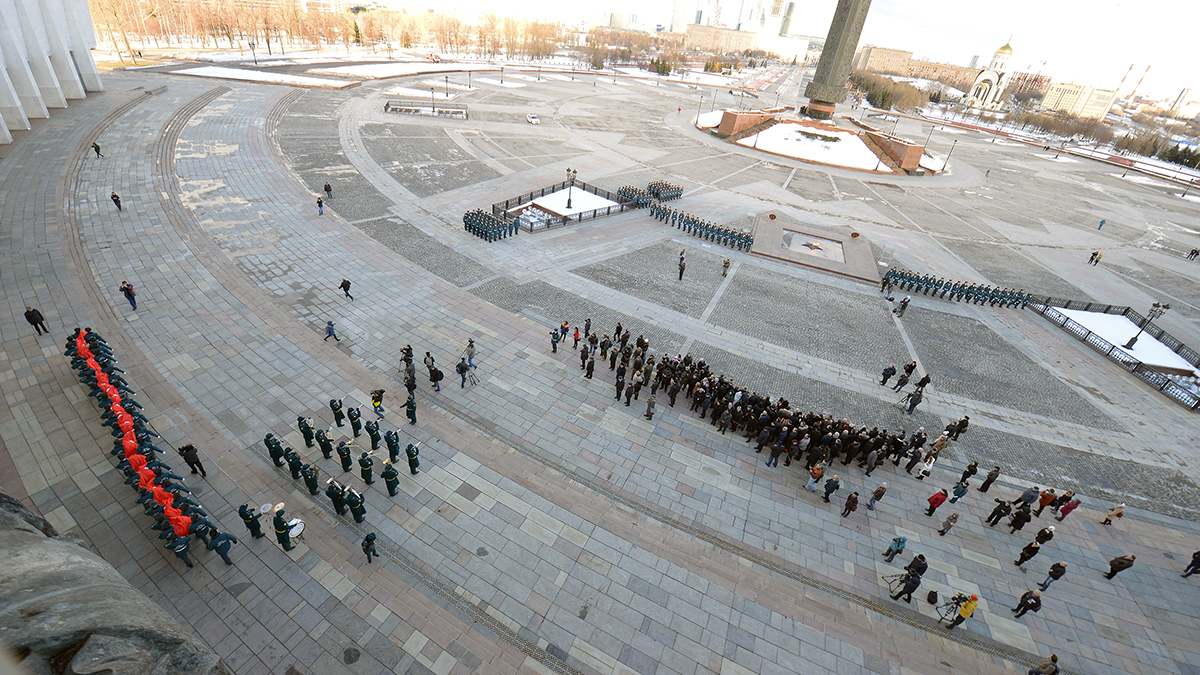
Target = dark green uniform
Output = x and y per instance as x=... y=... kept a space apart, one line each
x=306 y=430
x=355 y=421
x=358 y=507
x=392 y=440
x=180 y=546
x=413 y=463
x=338 y=416
x=365 y=463
x=221 y=543
x=294 y=462
x=334 y=492
x=325 y=444
x=282 y=531
x=251 y=520
x=310 y=479
x=373 y=433
x=274 y=449
x=391 y=478
x=343 y=452
x=411 y=410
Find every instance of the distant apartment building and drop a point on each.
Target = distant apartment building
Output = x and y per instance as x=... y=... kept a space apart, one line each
x=955 y=76
x=881 y=60
x=1079 y=100
x=719 y=40
x=1030 y=83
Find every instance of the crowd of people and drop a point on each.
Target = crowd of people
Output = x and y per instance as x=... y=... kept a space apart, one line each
x=488 y=226
x=664 y=191
x=940 y=287
x=161 y=493
x=817 y=442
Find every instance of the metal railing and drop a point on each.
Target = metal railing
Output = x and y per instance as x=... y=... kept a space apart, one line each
x=1149 y=375
x=426 y=107
x=503 y=208
x=1174 y=344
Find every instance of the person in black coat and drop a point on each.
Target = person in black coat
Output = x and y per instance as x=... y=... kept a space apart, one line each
x=189 y=455
x=1002 y=509
x=36 y=320
x=1030 y=602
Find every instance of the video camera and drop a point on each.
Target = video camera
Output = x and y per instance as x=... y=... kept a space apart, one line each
x=958 y=599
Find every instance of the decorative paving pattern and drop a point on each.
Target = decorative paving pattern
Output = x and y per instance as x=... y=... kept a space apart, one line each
x=641 y=273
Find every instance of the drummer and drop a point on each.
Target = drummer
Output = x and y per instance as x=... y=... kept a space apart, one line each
x=282 y=529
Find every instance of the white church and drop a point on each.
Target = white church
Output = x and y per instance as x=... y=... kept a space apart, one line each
x=988 y=90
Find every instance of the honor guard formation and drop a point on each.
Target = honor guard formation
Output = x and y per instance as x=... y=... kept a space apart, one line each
x=631 y=193
x=930 y=285
x=664 y=191
x=161 y=493
x=703 y=229
x=488 y=226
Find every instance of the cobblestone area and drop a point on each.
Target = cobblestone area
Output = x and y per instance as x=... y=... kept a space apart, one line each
x=1007 y=268
x=426 y=251
x=966 y=358
x=811 y=318
x=653 y=273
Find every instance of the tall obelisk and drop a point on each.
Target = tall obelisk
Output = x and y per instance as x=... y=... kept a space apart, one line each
x=828 y=86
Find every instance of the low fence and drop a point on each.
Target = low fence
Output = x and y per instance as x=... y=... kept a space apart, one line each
x=1159 y=381
x=1174 y=344
x=413 y=106
x=502 y=209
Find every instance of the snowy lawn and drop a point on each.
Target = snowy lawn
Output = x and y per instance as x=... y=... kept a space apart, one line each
x=258 y=76
x=380 y=71
x=710 y=119
x=508 y=83
x=1117 y=330
x=439 y=93
x=817 y=144
x=581 y=201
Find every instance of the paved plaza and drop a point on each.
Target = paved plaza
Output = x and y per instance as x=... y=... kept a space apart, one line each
x=552 y=529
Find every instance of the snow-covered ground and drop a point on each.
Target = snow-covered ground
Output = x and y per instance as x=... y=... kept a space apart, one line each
x=380 y=71
x=581 y=200
x=1117 y=330
x=710 y=119
x=509 y=84
x=789 y=140
x=259 y=76
x=438 y=94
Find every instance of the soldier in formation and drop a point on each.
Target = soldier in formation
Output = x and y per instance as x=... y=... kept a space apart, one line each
x=957 y=290
x=488 y=226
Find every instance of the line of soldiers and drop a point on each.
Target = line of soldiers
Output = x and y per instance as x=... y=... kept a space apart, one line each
x=702 y=228
x=664 y=191
x=632 y=193
x=489 y=226
x=161 y=493
x=937 y=287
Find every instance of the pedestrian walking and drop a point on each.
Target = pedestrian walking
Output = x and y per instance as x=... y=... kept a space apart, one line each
x=1031 y=549
x=116 y=199
x=328 y=191
x=936 y=500
x=887 y=374
x=320 y=206
x=814 y=476
x=1098 y=257
x=914 y=399
x=990 y=478
x=682 y=267
x=462 y=368
x=330 y=332
x=1020 y=517
x=1092 y=257
x=895 y=548
x=964 y=612
x=650 y=408
x=1044 y=535
x=1057 y=571
x=1192 y=566
x=877 y=496
x=948 y=523
x=96 y=147
x=368 y=544
x=189 y=455
x=1031 y=601
x=902 y=307
x=35 y=319
x=1102 y=224
x=831 y=486
x=1117 y=512
x=345 y=286
x=1028 y=496
x=1047 y=666
x=1067 y=509
x=1119 y=564
x=851 y=504
x=469 y=352
x=126 y=289
x=1045 y=499
x=221 y=542
x=901 y=382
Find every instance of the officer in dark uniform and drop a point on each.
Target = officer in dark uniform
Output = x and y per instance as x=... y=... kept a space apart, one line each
x=310 y=474
x=334 y=492
x=336 y=406
x=343 y=452
x=410 y=409
x=373 y=433
x=306 y=430
x=221 y=542
x=180 y=546
x=392 y=440
x=413 y=463
x=391 y=478
x=365 y=463
x=294 y=462
x=251 y=520
x=355 y=421
x=357 y=505
x=282 y=531
x=274 y=448
x=325 y=444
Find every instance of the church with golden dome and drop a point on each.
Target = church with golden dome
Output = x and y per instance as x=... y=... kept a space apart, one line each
x=988 y=90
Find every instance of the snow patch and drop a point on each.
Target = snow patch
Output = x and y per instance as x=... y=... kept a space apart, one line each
x=581 y=200
x=790 y=140
x=256 y=76
x=1117 y=330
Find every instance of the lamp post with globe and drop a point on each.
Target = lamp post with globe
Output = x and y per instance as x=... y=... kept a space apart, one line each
x=1156 y=310
x=571 y=173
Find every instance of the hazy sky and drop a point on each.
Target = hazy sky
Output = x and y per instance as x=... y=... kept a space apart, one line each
x=1090 y=43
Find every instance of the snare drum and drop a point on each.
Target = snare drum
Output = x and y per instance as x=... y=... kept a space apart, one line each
x=297 y=528
x=266 y=509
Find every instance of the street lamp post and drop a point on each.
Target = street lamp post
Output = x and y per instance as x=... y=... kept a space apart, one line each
x=447 y=87
x=952 y=146
x=432 y=102
x=1156 y=310
x=501 y=74
x=1189 y=187
x=698 y=106
x=251 y=45
x=570 y=184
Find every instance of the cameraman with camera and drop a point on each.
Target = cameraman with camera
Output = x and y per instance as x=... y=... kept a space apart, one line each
x=966 y=607
x=910 y=583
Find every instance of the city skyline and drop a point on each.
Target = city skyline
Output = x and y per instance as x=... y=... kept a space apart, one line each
x=1093 y=44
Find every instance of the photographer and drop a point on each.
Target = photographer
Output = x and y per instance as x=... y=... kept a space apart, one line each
x=911 y=582
x=965 y=609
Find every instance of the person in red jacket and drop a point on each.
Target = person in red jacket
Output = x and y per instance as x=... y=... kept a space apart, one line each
x=935 y=501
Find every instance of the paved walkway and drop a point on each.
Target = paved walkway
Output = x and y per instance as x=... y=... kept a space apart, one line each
x=548 y=530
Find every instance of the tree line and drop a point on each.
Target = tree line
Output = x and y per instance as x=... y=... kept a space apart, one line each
x=885 y=93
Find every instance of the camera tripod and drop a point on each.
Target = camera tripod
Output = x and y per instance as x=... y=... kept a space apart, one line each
x=894 y=581
x=949 y=609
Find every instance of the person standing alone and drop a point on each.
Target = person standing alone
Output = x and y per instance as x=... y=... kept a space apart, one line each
x=116 y=199
x=320 y=207
x=126 y=289
x=35 y=319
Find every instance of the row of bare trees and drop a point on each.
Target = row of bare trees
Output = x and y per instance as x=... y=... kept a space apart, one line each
x=280 y=25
